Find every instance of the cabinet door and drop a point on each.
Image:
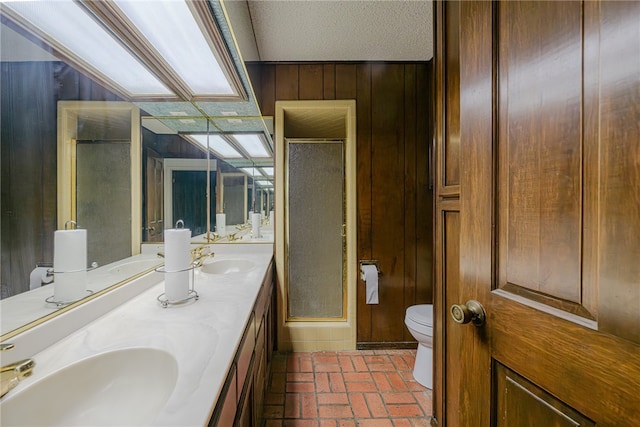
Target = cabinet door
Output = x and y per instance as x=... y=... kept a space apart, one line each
x=225 y=412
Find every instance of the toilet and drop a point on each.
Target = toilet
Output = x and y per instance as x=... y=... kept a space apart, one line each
x=419 y=321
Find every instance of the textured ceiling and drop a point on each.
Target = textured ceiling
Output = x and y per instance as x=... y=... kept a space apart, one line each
x=341 y=30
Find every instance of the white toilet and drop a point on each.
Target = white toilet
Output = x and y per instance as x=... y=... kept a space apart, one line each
x=419 y=321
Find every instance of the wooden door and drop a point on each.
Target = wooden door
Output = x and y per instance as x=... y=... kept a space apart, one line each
x=549 y=216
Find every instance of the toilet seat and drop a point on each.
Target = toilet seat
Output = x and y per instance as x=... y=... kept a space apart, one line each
x=421 y=314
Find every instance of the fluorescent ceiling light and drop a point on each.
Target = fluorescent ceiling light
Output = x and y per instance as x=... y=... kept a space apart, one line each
x=173 y=31
x=252 y=143
x=217 y=144
x=251 y=171
x=263 y=182
x=267 y=171
x=73 y=32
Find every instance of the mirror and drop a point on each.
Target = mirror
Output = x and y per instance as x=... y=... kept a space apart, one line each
x=37 y=73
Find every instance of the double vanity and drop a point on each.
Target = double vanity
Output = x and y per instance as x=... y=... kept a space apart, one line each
x=201 y=363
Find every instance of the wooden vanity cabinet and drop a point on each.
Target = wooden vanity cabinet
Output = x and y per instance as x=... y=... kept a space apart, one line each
x=240 y=403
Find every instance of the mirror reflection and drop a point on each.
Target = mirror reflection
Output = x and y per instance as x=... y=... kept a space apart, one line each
x=84 y=146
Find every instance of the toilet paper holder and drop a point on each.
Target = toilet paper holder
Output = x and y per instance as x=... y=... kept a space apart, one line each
x=371 y=262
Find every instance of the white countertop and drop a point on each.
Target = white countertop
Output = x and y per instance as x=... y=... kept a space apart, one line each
x=202 y=335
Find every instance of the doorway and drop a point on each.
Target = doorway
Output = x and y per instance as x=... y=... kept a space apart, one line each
x=316 y=252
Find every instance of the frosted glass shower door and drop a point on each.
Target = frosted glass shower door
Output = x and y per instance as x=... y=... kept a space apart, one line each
x=315 y=230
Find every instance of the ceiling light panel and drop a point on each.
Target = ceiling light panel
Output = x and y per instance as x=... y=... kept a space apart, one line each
x=218 y=145
x=72 y=32
x=253 y=144
x=252 y=172
x=267 y=171
x=172 y=30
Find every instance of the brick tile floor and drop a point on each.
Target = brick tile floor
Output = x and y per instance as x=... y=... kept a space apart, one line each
x=369 y=388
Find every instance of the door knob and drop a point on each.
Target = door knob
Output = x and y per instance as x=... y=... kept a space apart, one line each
x=472 y=312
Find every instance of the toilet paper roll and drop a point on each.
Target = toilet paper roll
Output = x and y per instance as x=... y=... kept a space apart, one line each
x=69 y=265
x=369 y=273
x=177 y=260
x=256 y=218
x=40 y=276
x=221 y=224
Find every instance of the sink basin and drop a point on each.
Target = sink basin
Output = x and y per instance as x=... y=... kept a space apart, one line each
x=132 y=268
x=228 y=266
x=118 y=388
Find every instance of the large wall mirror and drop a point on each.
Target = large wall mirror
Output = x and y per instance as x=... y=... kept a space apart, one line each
x=96 y=140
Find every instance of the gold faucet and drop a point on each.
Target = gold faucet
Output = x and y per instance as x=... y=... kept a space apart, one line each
x=199 y=254
x=13 y=373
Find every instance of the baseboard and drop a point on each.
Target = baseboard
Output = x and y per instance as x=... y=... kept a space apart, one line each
x=402 y=345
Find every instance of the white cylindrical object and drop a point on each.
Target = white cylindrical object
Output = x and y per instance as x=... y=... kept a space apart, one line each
x=271 y=218
x=369 y=273
x=221 y=224
x=69 y=265
x=256 y=218
x=177 y=260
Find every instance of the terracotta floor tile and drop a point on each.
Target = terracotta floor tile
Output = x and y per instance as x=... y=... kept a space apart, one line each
x=332 y=398
x=292 y=405
x=379 y=422
x=346 y=364
x=327 y=367
x=357 y=376
x=388 y=367
x=397 y=382
x=322 y=382
x=400 y=363
x=370 y=388
x=309 y=406
x=359 y=405
x=361 y=386
x=359 y=363
x=300 y=377
x=405 y=397
x=405 y=410
x=383 y=384
x=378 y=410
x=421 y=422
x=335 y=411
x=377 y=359
x=337 y=383
x=322 y=358
x=301 y=387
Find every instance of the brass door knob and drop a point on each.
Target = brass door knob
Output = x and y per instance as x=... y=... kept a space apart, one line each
x=472 y=312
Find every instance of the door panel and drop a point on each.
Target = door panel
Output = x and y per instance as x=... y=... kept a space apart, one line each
x=549 y=216
x=523 y=404
x=539 y=150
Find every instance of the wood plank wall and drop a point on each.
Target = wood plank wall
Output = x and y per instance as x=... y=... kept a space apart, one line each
x=394 y=132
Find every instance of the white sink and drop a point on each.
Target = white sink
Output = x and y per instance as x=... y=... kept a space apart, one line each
x=131 y=268
x=119 y=388
x=228 y=266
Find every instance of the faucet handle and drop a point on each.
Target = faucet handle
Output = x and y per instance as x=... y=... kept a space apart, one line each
x=7 y=346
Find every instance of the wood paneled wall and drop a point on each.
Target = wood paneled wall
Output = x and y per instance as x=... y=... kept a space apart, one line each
x=28 y=93
x=394 y=132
